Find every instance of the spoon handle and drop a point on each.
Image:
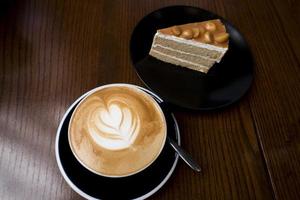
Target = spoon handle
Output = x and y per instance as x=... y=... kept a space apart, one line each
x=184 y=155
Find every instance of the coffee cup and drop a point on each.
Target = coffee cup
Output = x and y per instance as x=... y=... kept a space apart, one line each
x=117 y=130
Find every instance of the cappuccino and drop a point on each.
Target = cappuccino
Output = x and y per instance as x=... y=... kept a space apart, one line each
x=117 y=130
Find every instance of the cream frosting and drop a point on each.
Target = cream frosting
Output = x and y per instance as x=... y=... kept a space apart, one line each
x=192 y=43
x=181 y=60
x=183 y=52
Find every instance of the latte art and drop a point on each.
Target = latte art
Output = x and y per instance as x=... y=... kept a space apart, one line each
x=117 y=130
x=113 y=125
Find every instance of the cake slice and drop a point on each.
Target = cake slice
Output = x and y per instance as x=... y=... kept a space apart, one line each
x=197 y=46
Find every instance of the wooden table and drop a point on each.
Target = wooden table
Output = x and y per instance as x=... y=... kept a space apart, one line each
x=53 y=51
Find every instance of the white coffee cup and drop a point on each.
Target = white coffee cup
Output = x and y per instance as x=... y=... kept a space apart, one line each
x=117 y=130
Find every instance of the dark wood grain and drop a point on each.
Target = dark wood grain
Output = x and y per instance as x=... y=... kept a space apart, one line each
x=52 y=51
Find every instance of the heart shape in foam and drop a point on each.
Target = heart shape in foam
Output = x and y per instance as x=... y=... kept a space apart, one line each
x=112 y=117
x=115 y=127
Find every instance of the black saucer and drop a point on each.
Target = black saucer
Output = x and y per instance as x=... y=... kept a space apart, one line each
x=138 y=186
x=225 y=83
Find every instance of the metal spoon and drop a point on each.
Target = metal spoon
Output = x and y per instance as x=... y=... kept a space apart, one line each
x=184 y=155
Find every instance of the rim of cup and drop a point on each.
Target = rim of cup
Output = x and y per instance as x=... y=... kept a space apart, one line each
x=138 y=88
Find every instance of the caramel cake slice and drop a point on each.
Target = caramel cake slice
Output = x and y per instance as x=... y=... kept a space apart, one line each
x=197 y=46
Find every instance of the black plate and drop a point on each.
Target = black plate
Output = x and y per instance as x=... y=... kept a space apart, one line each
x=138 y=186
x=225 y=83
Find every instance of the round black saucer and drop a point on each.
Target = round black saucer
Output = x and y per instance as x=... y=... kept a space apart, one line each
x=225 y=83
x=138 y=186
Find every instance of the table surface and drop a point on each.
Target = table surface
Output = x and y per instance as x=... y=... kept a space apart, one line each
x=52 y=51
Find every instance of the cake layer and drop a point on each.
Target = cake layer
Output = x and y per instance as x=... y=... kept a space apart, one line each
x=177 y=61
x=184 y=56
x=188 y=46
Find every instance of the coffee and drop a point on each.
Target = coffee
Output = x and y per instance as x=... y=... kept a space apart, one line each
x=117 y=130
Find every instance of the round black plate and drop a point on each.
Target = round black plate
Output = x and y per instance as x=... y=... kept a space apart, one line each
x=225 y=83
x=138 y=186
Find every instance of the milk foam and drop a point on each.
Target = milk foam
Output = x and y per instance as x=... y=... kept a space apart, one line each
x=114 y=127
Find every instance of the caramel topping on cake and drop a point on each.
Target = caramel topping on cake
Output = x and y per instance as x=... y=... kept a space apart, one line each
x=187 y=34
x=176 y=30
x=221 y=37
x=210 y=26
x=208 y=37
x=210 y=32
